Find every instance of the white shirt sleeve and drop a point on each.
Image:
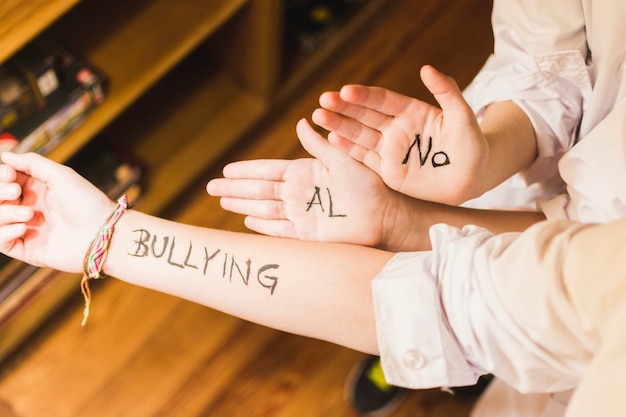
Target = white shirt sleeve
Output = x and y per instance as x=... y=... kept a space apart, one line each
x=479 y=303
x=539 y=63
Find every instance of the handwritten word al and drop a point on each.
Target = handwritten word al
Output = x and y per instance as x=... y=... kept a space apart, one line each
x=317 y=200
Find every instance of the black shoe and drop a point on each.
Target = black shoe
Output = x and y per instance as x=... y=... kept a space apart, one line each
x=475 y=390
x=368 y=392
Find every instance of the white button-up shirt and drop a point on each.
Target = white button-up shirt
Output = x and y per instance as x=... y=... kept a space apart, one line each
x=479 y=303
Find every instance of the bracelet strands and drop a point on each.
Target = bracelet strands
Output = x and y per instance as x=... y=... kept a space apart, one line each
x=97 y=253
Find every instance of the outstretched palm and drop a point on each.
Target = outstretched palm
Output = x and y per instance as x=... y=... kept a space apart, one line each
x=330 y=198
x=417 y=149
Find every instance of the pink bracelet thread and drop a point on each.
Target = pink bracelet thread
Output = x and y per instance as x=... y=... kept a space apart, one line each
x=97 y=253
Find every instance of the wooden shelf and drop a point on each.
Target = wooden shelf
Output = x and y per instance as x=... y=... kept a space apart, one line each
x=176 y=142
x=134 y=44
x=23 y=20
x=42 y=291
x=298 y=67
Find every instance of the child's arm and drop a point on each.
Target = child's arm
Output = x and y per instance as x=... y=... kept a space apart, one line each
x=435 y=154
x=333 y=198
x=312 y=289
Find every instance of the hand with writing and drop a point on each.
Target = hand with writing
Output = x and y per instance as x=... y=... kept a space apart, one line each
x=48 y=213
x=330 y=197
x=431 y=153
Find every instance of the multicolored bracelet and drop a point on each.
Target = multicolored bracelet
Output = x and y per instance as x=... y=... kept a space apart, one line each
x=97 y=253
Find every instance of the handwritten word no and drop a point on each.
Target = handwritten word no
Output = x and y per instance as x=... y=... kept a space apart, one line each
x=438 y=159
x=149 y=245
x=317 y=200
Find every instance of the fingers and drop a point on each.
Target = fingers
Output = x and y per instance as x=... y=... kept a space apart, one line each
x=444 y=89
x=314 y=143
x=262 y=209
x=7 y=174
x=13 y=218
x=9 y=236
x=279 y=228
x=380 y=99
x=261 y=169
x=357 y=113
x=244 y=188
x=15 y=214
x=322 y=150
x=40 y=168
x=256 y=180
x=26 y=163
x=13 y=225
x=10 y=191
x=12 y=231
x=355 y=105
x=349 y=128
x=366 y=156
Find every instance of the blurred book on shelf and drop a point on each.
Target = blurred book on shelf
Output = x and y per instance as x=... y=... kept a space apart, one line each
x=29 y=295
x=308 y=23
x=45 y=92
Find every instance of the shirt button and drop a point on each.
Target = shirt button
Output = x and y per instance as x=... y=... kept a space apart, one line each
x=413 y=359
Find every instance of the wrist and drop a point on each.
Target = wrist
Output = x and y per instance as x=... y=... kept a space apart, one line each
x=406 y=225
x=98 y=251
x=511 y=143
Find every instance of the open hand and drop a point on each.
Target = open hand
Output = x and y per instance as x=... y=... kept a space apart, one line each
x=330 y=197
x=431 y=153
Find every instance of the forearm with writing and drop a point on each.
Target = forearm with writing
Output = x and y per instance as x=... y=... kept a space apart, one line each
x=307 y=288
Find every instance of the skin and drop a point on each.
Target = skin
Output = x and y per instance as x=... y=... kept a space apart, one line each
x=322 y=290
x=273 y=194
x=377 y=127
x=49 y=214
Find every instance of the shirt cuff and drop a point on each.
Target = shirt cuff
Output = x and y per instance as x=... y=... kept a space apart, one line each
x=551 y=89
x=417 y=347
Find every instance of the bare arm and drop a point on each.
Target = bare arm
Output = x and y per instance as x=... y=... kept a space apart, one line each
x=50 y=215
x=512 y=143
x=316 y=290
x=407 y=229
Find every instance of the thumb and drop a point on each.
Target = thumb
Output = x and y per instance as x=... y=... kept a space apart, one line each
x=35 y=165
x=51 y=173
x=314 y=143
x=444 y=88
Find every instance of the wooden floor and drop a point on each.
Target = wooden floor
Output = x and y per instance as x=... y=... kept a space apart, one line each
x=148 y=354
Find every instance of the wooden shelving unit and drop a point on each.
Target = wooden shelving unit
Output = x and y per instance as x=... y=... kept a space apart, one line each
x=164 y=60
x=22 y=20
x=144 y=40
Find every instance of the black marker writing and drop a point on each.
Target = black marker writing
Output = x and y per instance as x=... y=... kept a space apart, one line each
x=267 y=281
x=317 y=200
x=438 y=159
x=148 y=245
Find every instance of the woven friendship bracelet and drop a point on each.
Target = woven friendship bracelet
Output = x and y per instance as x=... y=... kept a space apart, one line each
x=97 y=253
